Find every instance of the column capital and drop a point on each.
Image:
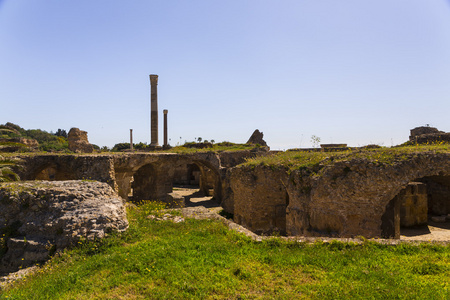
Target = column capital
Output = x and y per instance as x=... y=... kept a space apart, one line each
x=165 y=111
x=153 y=79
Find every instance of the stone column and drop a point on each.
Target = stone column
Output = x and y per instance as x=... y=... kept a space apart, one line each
x=131 y=139
x=165 y=128
x=154 y=109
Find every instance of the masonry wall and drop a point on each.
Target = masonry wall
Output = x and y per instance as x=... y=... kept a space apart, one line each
x=260 y=198
x=413 y=204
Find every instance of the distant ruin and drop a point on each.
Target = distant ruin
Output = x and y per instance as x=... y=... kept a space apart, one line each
x=78 y=141
x=427 y=134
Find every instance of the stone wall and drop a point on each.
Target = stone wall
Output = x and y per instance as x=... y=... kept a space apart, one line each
x=260 y=198
x=426 y=134
x=413 y=204
x=67 y=167
x=343 y=199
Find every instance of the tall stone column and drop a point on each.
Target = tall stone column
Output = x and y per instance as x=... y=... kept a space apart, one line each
x=165 y=128
x=131 y=139
x=154 y=109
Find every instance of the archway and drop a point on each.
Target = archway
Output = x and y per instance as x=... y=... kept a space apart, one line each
x=54 y=172
x=196 y=183
x=144 y=185
x=419 y=210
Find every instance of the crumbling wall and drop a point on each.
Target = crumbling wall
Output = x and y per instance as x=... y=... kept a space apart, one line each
x=343 y=199
x=260 y=198
x=67 y=167
x=426 y=134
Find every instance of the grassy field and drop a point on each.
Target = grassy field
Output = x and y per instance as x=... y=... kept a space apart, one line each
x=203 y=259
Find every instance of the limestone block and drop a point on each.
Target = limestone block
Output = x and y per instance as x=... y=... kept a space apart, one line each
x=48 y=215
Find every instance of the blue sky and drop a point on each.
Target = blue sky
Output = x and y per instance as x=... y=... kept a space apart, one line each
x=349 y=71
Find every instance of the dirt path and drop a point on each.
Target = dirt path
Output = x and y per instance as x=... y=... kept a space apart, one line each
x=432 y=232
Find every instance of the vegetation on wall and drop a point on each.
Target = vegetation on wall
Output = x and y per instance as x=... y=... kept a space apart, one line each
x=315 y=160
x=6 y=169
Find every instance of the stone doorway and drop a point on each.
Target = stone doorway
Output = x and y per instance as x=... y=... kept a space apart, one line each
x=144 y=185
x=195 y=183
x=420 y=211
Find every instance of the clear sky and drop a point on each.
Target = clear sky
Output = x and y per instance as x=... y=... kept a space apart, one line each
x=348 y=71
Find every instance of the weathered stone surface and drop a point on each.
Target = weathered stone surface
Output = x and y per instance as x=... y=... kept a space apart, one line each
x=260 y=198
x=67 y=167
x=257 y=139
x=418 y=131
x=44 y=216
x=341 y=199
x=78 y=141
x=439 y=219
x=413 y=204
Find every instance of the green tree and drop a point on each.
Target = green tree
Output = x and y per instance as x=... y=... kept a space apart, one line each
x=315 y=140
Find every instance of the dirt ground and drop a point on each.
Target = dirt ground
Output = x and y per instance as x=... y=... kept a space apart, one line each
x=194 y=198
x=431 y=232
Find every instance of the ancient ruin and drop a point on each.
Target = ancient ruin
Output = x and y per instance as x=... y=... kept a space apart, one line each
x=166 y=133
x=257 y=138
x=427 y=134
x=154 y=110
x=365 y=191
x=78 y=141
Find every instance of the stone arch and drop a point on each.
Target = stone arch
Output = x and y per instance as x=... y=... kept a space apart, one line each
x=145 y=184
x=419 y=201
x=353 y=198
x=54 y=172
x=210 y=179
x=406 y=184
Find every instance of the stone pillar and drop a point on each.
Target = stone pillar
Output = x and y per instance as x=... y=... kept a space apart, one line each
x=154 y=109
x=131 y=139
x=165 y=128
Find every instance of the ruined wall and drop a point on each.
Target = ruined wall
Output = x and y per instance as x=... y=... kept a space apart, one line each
x=413 y=204
x=155 y=173
x=438 y=190
x=260 y=198
x=229 y=159
x=68 y=167
x=349 y=198
x=345 y=199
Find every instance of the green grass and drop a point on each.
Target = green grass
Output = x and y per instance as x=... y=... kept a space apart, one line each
x=314 y=160
x=203 y=259
x=224 y=146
